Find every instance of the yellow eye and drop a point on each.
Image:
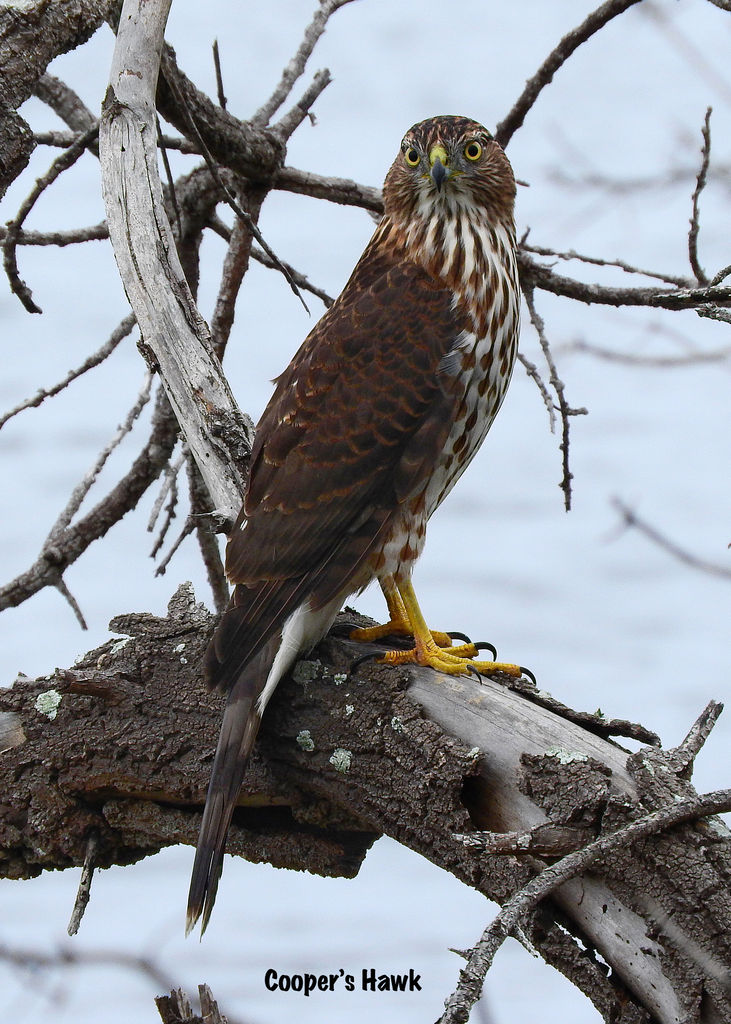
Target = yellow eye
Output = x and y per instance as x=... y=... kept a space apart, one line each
x=473 y=151
x=411 y=157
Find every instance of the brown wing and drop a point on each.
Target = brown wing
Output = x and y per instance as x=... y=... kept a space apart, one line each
x=354 y=424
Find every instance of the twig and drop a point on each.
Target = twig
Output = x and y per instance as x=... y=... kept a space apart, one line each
x=223 y=231
x=118 y=334
x=700 y=184
x=558 y=386
x=472 y=977
x=60 y=164
x=62 y=140
x=67 y=105
x=188 y=527
x=541 y=276
x=720 y=276
x=170 y=474
x=680 y=282
x=94 y=233
x=73 y=604
x=145 y=469
x=235 y=265
x=570 y=42
x=297 y=64
x=87 y=875
x=712 y=312
x=532 y=370
x=288 y=124
x=170 y=509
x=33 y=960
x=226 y=191
x=687 y=751
x=169 y=176
x=85 y=485
x=200 y=516
x=719 y=355
x=219 y=77
x=630 y=519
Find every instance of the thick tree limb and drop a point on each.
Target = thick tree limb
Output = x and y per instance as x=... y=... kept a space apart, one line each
x=31 y=35
x=217 y=434
x=120 y=746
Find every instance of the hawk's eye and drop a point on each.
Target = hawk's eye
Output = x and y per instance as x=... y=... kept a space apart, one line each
x=473 y=151
x=411 y=156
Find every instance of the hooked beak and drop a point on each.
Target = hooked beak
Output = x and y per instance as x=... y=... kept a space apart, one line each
x=439 y=161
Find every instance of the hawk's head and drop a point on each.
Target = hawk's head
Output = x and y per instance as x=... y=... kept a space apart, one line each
x=448 y=164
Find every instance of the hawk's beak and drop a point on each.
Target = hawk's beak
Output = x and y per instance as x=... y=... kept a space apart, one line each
x=438 y=160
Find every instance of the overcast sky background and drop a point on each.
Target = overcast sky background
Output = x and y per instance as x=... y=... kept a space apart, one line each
x=602 y=617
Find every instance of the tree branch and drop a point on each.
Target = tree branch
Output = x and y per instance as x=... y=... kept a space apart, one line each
x=484 y=757
x=558 y=56
x=217 y=434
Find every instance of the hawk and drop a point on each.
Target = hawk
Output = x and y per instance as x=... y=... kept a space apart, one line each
x=368 y=429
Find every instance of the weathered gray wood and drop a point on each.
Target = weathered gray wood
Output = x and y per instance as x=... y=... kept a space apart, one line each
x=176 y=336
x=485 y=715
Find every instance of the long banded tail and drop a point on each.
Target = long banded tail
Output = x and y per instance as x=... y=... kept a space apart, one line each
x=240 y=726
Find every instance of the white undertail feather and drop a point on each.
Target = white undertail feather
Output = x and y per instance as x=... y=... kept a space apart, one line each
x=302 y=630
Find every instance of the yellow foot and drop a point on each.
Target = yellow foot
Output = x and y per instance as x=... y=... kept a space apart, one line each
x=395 y=627
x=454 y=662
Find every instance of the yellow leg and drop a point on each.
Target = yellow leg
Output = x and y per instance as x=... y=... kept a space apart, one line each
x=426 y=652
x=398 y=623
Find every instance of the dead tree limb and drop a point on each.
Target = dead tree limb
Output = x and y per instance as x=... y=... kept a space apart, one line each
x=120 y=747
x=178 y=338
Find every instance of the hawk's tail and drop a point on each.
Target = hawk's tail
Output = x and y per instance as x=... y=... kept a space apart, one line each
x=241 y=721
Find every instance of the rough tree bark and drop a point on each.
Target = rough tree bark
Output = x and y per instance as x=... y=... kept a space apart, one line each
x=119 y=747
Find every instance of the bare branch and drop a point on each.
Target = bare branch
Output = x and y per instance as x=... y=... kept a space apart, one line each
x=51 y=563
x=712 y=312
x=558 y=385
x=64 y=102
x=687 y=751
x=84 y=486
x=532 y=370
x=294 y=118
x=229 y=197
x=680 y=282
x=73 y=604
x=472 y=977
x=543 y=277
x=235 y=265
x=631 y=519
x=94 y=233
x=188 y=527
x=700 y=274
x=219 y=77
x=59 y=165
x=570 y=42
x=297 y=64
x=87 y=876
x=720 y=355
x=216 y=432
x=335 y=190
x=118 y=334
x=32 y=959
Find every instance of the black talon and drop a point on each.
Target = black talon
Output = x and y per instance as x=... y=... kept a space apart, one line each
x=471 y=670
x=484 y=645
x=527 y=672
x=378 y=653
x=459 y=636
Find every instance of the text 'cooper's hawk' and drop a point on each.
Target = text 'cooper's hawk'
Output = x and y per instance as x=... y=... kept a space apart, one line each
x=367 y=431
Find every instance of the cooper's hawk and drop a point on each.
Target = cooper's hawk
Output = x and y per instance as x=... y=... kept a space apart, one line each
x=367 y=431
